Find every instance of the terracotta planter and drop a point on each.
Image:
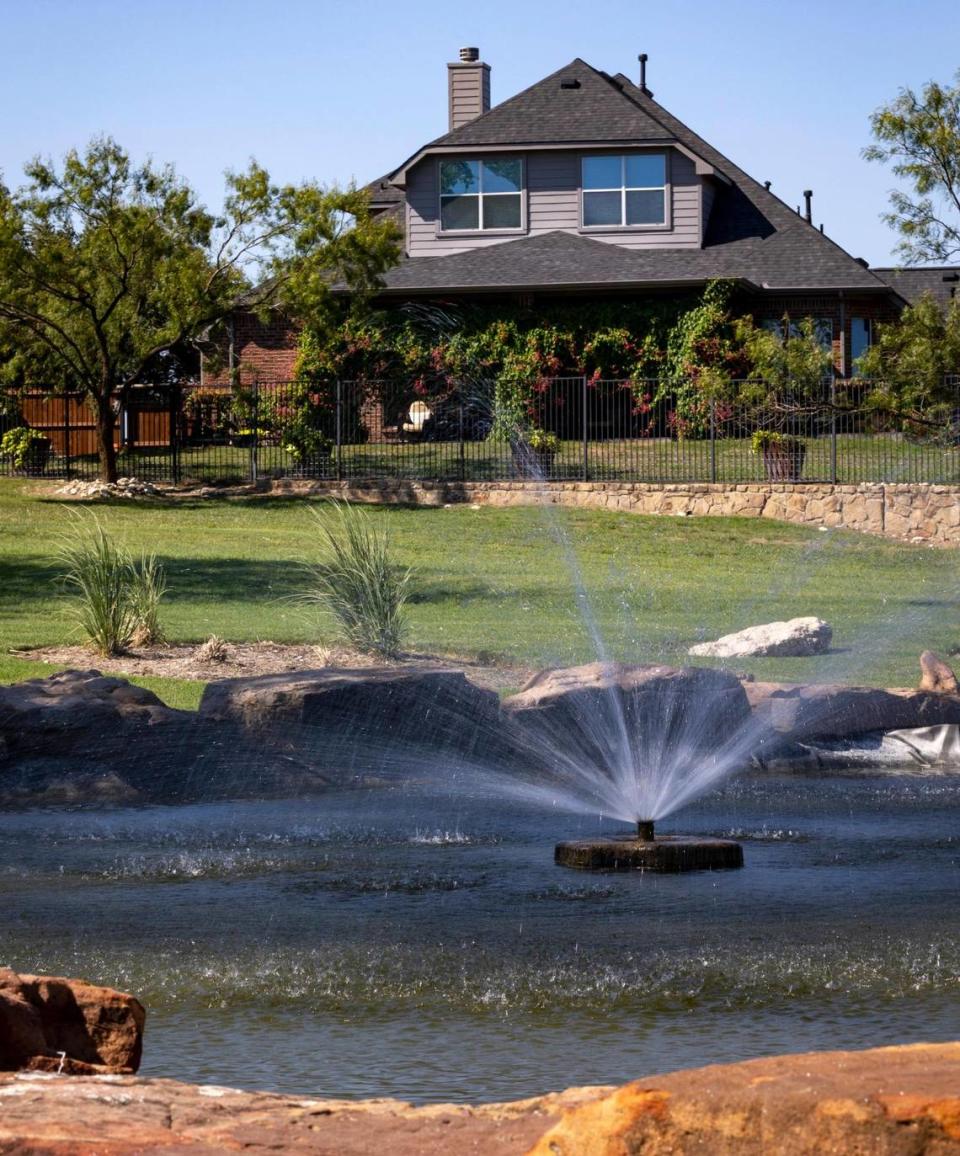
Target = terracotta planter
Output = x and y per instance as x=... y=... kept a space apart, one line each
x=783 y=461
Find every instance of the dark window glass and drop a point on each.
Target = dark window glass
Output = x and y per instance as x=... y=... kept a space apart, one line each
x=601 y=209
x=501 y=212
x=645 y=207
x=460 y=212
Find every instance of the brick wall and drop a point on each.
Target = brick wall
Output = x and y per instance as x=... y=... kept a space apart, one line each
x=262 y=350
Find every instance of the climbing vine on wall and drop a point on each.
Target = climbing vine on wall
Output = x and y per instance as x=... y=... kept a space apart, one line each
x=681 y=349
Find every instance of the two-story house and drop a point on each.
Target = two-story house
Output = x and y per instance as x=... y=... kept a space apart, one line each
x=583 y=185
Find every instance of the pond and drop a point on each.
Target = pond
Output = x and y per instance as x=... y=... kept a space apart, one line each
x=388 y=942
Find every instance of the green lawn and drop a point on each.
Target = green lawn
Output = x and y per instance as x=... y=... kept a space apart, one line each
x=501 y=583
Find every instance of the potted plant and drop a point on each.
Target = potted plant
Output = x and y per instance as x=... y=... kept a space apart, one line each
x=534 y=451
x=783 y=456
x=27 y=448
x=309 y=448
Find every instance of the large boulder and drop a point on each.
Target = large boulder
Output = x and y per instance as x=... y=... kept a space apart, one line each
x=53 y=1024
x=77 y=711
x=607 y=715
x=366 y=718
x=795 y=638
x=82 y=738
x=805 y=712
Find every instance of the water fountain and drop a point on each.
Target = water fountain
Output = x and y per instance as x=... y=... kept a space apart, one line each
x=647 y=852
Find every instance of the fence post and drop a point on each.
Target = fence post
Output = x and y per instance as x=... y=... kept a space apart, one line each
x=713 y=439
x=461 y=447
x=66 y=433
x=255 y=441
x=585 y=467
x=833 y=431
x=338 y=429
x=176 y=406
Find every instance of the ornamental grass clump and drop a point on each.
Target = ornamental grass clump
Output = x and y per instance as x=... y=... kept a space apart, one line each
x=116 y=602
x=358 y=582
x=148 y=584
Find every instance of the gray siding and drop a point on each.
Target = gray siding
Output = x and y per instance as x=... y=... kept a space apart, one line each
x=553 y=202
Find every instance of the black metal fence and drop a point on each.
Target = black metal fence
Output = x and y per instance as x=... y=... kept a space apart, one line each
x=586 y=429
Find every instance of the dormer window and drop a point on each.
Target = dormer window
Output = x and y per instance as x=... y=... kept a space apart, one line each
x=624 y=191
x=481 y=194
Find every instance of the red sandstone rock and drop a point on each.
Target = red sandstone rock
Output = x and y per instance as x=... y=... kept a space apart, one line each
x=902 y=1101
x=52 y=1024
x=895 y=1101
x=936 y=675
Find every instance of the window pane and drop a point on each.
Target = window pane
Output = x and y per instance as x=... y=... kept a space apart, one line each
x=646 y=171
x=601 y=209
x=459 y=212
x=502 y=212
x=859 y=337
x=459 y=176
x=645 y=208
x=602 y=173
x=504 y=176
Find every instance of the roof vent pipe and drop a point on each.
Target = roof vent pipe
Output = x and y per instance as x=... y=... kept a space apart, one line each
x=766 y=185
x=643 y=58
x=808 y=202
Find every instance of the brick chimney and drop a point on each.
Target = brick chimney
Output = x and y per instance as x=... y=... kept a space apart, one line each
x=468 y=86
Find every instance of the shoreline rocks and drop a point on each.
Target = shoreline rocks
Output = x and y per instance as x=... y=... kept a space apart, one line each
x=51 y=1024
x=78 y=738
x=902 y=1101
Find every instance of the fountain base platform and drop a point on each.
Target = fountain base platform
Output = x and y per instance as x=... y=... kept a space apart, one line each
x=665 y=853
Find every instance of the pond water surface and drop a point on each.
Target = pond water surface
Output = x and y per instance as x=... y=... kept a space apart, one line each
x=390 y=943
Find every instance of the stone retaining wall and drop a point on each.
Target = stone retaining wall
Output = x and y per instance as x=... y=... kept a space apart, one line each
x=909 y=512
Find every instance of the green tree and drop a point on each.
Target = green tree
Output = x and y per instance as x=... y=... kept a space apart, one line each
x=105 y=266
x=788 y=364
x=910 y=363
x=920 y=136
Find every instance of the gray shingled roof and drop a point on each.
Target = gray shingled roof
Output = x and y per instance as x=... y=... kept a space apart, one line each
x=544 y=112
x=911 y=284
x=752 y=235
x=567 y=260
x=381 y=192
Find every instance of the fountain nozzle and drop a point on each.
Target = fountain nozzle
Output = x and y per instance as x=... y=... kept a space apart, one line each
x=645 y=830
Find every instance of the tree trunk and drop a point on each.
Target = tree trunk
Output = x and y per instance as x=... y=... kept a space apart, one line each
x=106 y=451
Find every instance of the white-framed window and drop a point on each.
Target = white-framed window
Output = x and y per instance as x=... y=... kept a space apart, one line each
x=481 y=194
x=620 y=191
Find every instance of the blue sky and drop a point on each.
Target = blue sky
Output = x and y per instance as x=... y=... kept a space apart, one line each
x=341 y=91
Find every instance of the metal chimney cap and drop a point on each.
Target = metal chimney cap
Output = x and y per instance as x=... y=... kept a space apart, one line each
x=469 y=55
